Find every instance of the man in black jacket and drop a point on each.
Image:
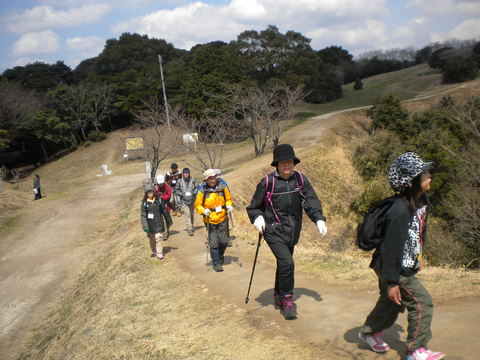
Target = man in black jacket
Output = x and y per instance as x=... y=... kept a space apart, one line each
x=276 y=210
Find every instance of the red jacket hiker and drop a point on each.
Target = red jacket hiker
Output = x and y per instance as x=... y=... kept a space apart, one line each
x=164 y=191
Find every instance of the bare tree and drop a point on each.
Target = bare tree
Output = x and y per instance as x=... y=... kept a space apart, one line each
x=77 y=106
x=263 y=112
x=99 y=106
x=212 y=134
x=159 y=140
x=464 y=203
x=16 y=106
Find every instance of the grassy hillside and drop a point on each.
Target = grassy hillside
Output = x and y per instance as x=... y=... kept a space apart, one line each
x=126 y=306
x=404 y=84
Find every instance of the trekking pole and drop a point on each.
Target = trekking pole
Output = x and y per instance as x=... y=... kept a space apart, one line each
x=234 y=234
x=208 y=238
x=253 y=268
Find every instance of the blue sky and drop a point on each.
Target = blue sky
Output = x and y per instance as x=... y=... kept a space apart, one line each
x=75 y=30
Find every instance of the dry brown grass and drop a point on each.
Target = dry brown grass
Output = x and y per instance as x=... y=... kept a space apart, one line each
x=335 y=258
x=129 y=306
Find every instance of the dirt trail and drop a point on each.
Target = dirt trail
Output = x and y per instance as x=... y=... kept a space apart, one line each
x=42 y=258
x=328 y=316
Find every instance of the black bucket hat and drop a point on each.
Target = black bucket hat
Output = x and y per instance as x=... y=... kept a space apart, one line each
x=284 y=152
x=404 y=169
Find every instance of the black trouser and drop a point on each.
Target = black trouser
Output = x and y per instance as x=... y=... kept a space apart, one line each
x=38 y=194
x=217 y=241
x=284 y=276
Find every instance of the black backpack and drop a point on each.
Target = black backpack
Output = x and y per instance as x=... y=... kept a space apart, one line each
x=370 y=232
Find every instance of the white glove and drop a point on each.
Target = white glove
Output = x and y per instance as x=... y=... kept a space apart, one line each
x=206 y=212
x=322 y=227
x=229 y=208
x=259 y=223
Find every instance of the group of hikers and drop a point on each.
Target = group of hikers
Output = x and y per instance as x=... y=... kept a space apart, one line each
x=276 y=211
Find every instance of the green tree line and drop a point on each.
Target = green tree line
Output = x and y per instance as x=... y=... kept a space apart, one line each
x=47 y=109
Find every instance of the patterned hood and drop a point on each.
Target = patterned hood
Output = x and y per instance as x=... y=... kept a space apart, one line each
x=406 y=168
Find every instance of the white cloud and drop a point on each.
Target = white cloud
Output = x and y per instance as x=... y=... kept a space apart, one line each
x=199 y=22
x=446 y=7
x=410 y=34
x=26 y=60
x=468 y=29
x=363 y=36
x=85 y=47
x=43 y=42
x=46 y=17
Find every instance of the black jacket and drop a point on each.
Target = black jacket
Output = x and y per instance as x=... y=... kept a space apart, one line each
x=288 y=203
x=154 y=225
x=387 y=259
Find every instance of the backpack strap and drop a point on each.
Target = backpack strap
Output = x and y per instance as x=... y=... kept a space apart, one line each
x=298 y=174
x=268 y=195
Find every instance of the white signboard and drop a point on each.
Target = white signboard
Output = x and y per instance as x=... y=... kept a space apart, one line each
x=190 y=138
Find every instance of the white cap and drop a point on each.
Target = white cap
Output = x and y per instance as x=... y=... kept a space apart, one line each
x=208 y=173
x=160 y=179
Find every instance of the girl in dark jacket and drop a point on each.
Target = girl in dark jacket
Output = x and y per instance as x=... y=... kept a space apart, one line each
x=276 y=210
x=152 y=222
x=399 y=258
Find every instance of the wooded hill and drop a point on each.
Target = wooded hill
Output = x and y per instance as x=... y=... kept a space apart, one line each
x=47 y=109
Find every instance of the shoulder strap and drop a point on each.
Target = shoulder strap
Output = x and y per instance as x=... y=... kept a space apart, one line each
x=298 y=174
x=268 y=194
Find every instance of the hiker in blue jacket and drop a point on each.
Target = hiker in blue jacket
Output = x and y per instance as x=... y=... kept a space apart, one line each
x=399 y=258
x=276 y=210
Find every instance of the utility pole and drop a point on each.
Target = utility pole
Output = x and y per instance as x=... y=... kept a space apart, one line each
x=164 y=93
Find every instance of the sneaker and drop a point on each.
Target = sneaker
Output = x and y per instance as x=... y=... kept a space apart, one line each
x=277 y=303
x=289 y=308
x=190 y=233
x=153 y=255
x=375 y=341
x=424 y=354
x=218 y=268
x=160 y=256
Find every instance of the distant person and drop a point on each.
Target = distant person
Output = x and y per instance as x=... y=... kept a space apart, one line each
x=151 y=220
x=171 y=178
x=276 y=210
x=399 y=258
x=36 y=187
x=163 y=191
x=214 y=202
x=186 y=191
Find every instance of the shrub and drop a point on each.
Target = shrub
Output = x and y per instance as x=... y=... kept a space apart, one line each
x=373 y=156
x=388 y=113
x=358 y=84
x=97 y=136
x=459 y=69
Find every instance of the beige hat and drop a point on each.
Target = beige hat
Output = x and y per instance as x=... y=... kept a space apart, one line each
x=208 y=173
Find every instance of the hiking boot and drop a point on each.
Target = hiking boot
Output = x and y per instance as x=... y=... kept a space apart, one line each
x=289 y=308
x=222 y=259
x=218 y=268
x=190 y=233
x=375 y=341
x=153 y=255
x=277 y=302
x=424 y=354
